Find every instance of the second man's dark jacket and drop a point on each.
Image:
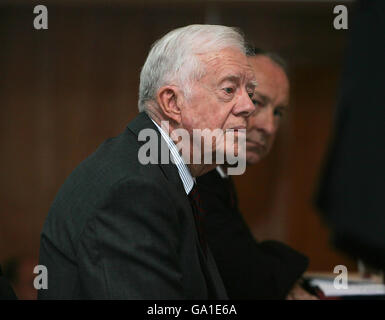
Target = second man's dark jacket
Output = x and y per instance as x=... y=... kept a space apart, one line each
x=249 y=269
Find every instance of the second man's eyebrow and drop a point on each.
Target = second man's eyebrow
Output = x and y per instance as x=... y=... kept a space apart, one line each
x=283 y=107
x=261 y=96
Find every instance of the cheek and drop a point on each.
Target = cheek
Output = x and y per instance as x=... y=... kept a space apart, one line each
x=270 y=143
x=207 y=114
x=198 y=118
x=222 y=114
x=213 y=120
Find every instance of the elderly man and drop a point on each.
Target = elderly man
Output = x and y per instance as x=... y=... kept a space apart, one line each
x=252 y=270
x=124 y=228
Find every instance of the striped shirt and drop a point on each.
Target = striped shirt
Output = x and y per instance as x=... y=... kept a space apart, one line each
x=184 y=173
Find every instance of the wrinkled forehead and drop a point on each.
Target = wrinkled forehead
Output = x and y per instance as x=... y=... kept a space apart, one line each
x=229 y=61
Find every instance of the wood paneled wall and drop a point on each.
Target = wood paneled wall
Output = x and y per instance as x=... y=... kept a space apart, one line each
x=66 y=89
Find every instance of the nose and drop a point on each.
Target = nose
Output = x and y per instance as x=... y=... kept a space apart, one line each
x=244 y=107
x=263 y=120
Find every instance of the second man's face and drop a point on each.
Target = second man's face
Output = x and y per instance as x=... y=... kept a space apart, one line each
x=271 y=99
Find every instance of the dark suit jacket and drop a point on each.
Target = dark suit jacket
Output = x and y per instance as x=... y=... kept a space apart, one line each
x=122 y=230
x=250 y=270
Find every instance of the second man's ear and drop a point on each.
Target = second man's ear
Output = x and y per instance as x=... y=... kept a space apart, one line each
x=169 y=99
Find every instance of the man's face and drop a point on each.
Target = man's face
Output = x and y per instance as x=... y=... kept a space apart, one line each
x=271 y=99
x=221 y=98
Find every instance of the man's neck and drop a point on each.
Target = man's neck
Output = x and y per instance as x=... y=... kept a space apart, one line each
x=196 y=170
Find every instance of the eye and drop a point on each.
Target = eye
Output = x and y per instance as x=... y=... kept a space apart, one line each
x=278 y=113
x=229 y=90
x=256 y=102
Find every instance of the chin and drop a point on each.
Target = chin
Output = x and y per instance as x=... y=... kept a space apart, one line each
x=252 y=159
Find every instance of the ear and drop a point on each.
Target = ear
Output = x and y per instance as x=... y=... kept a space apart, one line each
x=169 y=99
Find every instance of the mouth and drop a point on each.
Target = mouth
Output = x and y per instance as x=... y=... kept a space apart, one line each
x=256 y=145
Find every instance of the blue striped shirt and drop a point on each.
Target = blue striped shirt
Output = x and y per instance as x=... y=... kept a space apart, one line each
x=184 y=173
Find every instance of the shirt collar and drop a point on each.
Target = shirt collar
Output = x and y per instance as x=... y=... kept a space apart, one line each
x=184 y=173
x=221 y=172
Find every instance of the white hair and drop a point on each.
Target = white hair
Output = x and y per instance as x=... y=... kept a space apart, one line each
x=173 y=58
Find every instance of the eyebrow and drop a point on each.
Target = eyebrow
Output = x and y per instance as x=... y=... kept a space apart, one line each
x=252 y=84
x=266 y=100
x=236 y=78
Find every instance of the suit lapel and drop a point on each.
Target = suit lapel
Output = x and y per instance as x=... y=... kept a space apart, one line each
x=143 y=121
x=214 y=282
